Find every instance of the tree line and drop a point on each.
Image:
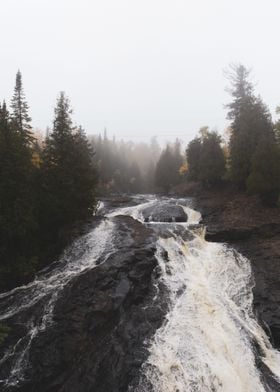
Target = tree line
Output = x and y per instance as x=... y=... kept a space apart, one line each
x=47 y=186
x=251 y=159
x=44 y=188
x=125 y=167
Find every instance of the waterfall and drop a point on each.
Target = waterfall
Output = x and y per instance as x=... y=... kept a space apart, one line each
x=207 y=342
x=210 y=340
x=33 y=304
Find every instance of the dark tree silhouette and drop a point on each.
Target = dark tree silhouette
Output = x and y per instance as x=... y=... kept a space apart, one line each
x=19 y=115
x=250 y=123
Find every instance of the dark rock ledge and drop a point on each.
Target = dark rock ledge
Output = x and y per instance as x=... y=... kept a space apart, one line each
x=102 y=321
x=254 y=230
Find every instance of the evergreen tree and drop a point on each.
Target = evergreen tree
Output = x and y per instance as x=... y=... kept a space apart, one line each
x=193 y=152
x=125 y=166
x=205 y=158
x=167 y=174
x=69 y=174
x=212 y=160
x=135 y=178
x=18 y=224
x=85 y=175
x=251 y=121
x=20 y=116
x=177 y=162
x=163 y=174
x=264 y=178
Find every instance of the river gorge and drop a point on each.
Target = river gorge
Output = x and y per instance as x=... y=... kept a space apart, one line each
x=141 y=302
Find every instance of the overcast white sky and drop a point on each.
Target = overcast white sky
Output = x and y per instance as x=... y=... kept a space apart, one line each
x=138 y=67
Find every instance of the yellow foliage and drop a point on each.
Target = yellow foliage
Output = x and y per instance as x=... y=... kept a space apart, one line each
x=183 y=169
x=36 y=160
x=225 y=151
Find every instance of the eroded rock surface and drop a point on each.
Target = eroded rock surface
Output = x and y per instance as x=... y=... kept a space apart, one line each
x=101 y=322
x=165 y=212
x=255 y=231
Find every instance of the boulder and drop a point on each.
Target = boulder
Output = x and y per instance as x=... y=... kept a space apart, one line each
x=164 y=212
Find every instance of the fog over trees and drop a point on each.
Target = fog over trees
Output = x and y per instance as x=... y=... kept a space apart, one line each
x=43 y=189
x=253 y=162
x=48 y=185
x=125 y=166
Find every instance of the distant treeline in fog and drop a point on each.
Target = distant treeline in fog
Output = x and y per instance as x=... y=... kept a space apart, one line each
x=48 y=186
x=250 y=160
x=127 y=167
x=245 y=157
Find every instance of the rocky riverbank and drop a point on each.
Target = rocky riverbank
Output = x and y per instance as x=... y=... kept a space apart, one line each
x=254 y=230
x=86 y=322
x=102 y=321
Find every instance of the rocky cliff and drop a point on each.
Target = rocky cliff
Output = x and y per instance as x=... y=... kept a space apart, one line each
x=254 y=230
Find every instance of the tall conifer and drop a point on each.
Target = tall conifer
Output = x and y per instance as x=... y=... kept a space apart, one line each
x=19 y=115
x=250 y=123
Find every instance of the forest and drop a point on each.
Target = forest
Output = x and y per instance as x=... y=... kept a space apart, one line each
x=49 y=187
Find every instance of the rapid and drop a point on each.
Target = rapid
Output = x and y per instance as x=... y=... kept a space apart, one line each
x=210 y=339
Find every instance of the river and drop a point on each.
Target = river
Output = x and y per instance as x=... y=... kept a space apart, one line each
x=209 y=340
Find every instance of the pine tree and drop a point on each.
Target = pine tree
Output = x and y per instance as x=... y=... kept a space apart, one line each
x=264 y=178
x=20 y=116
x=167 y=174
x=193 y=152
x=177 y=161
x=69 y=174
x=163 y=173
x=18 y=224
x=251 y=121
x=135 y=179
x=205 y=158
x=85 y=174
x=212 y=160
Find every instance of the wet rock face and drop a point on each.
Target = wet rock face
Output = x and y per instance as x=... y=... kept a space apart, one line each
x=255 y=231
x=264 y=254
x=102 y=320
x=164 y=213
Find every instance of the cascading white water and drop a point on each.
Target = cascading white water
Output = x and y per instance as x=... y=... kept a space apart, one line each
x=207 y=340
x=135 y=211
x=82 y=255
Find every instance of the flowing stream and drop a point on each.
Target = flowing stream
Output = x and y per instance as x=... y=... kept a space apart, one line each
x=210 y=339
x=33 y=304
x=207 y=341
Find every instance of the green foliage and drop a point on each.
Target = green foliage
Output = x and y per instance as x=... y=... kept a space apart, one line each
x=251 y=121
x=212 y=160
x=254 y=154
x=69 y=175
x=125 y=166
x=167 y=174
x=264 y=178
x=193 y=153
x=42 y=191
x=18 y=225
x=20 y=116
x=205 y=157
